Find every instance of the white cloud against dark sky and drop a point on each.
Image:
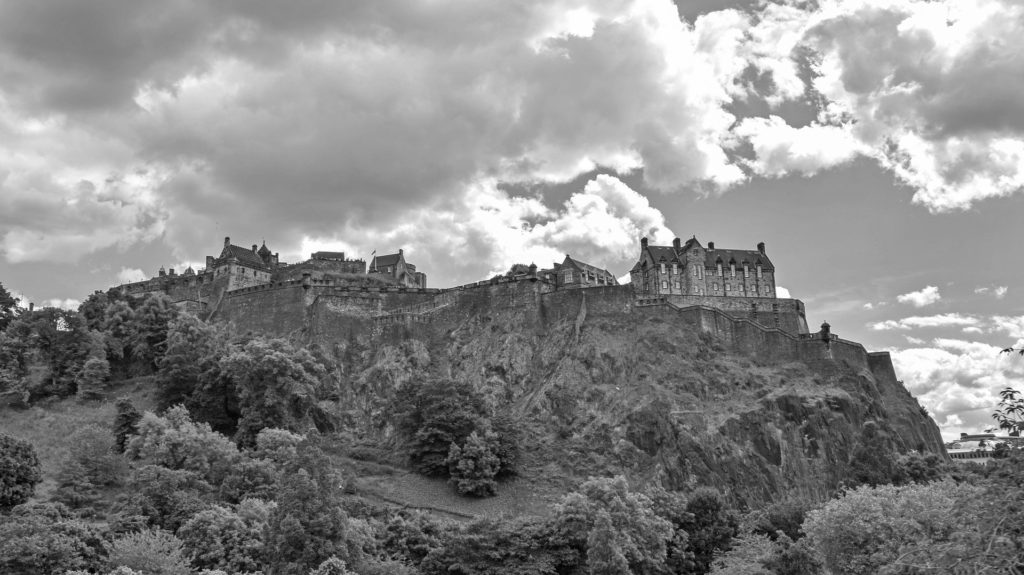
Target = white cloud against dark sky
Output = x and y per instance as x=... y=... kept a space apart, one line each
x=876 y=146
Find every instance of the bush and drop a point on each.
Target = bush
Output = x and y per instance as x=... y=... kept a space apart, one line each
x=126 y=423
x=152 y=552
x=19 y=471
x=226 y=539
x=176 y=442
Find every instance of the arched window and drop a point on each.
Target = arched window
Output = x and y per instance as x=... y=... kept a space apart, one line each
x=719 y=265
x=732 y=269
x=758 y=271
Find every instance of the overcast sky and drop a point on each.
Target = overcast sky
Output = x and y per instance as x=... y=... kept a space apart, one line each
x=875 y=146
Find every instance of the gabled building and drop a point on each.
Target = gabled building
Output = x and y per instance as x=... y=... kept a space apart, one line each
x=691 y=269
x=395 y=266
x=574 y=273
x=240 y=267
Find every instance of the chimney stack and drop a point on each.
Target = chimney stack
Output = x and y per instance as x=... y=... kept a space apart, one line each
x=254 y=248
x=31 y=306
x=760 y=247
x=711 y=246
x=677 y=244
x=643 y=242
x=227 y=241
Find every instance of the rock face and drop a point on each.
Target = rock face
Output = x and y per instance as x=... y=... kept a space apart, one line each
x=657 y=393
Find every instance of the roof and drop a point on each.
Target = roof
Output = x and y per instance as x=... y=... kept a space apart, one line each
x=752 y=257
x=587 y=267
x=264 y=251
x=385 y=260
x=244 y=255
x=329 y=255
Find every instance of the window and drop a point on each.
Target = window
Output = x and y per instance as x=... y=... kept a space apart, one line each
x=746 y=271
x=716 y=286
x=732 y=270
x=662 y=268
x=568 y=277
x=695 y=272
x=664 y=285
x=675 y=268
x=719 y=269
x=728 y=287
x=677 y=285
x=700 y=272
x=758 y=271
x=696 y=289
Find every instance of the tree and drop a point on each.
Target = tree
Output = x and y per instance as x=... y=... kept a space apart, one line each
x=190 y=372
x=332 y=566
x=434 y=414
x=604 y=556
x=126 y=422
x=149 y=341
x=176 y=442
x=93 y=378
x=640 y=533
x=872 y=461
x=277 y=385
x=226 y=539
x=711 y=527
x=307 y=527
x=474 y=465
x=43 y=352
x=8 y=307
x=19 y=471
x=42 y=539
x=151 y=552
x=1010 y=414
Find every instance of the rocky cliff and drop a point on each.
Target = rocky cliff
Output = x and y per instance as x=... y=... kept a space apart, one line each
x=648 y=392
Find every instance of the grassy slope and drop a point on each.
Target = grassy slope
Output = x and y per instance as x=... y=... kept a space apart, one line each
x=50 y=426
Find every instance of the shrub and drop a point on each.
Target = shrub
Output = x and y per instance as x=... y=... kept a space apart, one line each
x=174 y=441
x=226 y=539
x=19 y=471
x=43 y=539
x=152 y=552
x=126 y=423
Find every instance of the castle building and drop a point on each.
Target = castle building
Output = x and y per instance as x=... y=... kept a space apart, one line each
x=691 y=269
x=574 y=273
x=395 y=266
x=340 y=263
x=242 y=267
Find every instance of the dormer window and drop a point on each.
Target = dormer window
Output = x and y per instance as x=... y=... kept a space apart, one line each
x=746 y=270
x=758 y=271
x=663 y=267
x=675 y=268
x=719 y=269
x=732 y=269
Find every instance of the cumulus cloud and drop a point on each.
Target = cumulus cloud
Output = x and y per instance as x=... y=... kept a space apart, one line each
x=68 y=304
x=998 y=292
x=890 y=76
x=782 y=292
x=922 y=297
x=940 y=320
x=958 y=380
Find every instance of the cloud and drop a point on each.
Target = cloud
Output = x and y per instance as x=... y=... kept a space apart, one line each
x=68 y=304
x=869 y=305
x=782 y=292
x=998 y=292
x=941 y=320
x=890 y=76
x=129 y=275
x=914 y=340
x=958 y=380
x=780 y=149
x=921 y=298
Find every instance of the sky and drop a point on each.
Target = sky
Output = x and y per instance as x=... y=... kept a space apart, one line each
x=875 y=146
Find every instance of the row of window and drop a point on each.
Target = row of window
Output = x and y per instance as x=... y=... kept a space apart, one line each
x=698 y=271
x=740 y=288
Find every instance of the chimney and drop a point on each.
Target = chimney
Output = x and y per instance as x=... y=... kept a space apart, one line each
x=31 y=306
x=254 y=248
x=643 y=242
x=170 y=272
x=209 y=262
x=711 y=246
x=963 y=435
x=162 y=272
x=677 y=244
x=400 y=251
x=760 y=247
x=227 y=241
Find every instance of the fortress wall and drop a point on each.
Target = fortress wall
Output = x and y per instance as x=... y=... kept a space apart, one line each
x=561 y=304
x=786 y=314
x=275 y=309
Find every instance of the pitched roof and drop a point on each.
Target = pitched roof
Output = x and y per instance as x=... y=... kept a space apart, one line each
x=587 y=267
x=385 y=260
x=752 y=257
x=244 y=255
x=264 y=251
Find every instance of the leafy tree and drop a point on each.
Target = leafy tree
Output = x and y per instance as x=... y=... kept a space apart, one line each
x=307 y=527
x=149 y=341
x=411 y=535
x=474 y=465
x=176 y=442
x=94 y=464
x=332 y=566
x=522 y=546
x=74 y=486
x=711 y=527
x=8 y=307
x=42 y=539
x=868 y=530
x=1010 y=414
x=872 y=461
x=640 y=533
x=93 y=378
x=604 y=556
x=190 y=372
x=43 y=352
x=277 y=385
x=165 y=498
x=434 y=414
x=784 y=516
x=19 y=471
x=126 y=422
x=151 y=552
x=119 y=327
x=226 y=539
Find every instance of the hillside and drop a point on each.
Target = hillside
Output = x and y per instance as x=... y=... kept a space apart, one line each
x=640 y=392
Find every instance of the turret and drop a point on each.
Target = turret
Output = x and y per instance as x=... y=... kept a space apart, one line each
x=162 y=272
x=533 y=272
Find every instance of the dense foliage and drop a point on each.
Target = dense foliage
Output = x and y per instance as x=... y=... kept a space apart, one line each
x=19 y=471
